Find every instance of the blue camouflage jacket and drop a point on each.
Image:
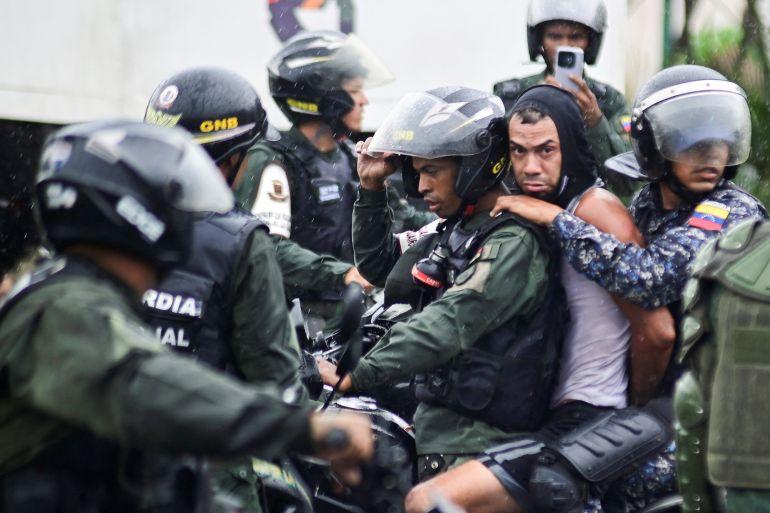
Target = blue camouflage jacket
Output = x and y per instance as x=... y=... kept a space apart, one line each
x=654 y=275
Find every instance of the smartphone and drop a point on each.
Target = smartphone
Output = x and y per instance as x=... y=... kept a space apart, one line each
x=569 y=61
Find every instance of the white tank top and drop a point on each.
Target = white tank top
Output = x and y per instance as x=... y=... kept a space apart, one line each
x=594 y=353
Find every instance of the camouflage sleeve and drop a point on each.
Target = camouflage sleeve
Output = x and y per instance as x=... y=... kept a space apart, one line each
x=652 y=276
x=405 y=215
x=374 y=247
x=304 y=270
x=505 y=281
x=263 y=341
x=102 y=371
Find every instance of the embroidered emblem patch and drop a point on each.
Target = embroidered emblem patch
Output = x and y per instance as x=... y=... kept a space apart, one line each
x=278 y=193
x=709 y=215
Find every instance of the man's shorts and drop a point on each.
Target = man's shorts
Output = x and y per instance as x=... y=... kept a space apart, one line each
x=512 y=462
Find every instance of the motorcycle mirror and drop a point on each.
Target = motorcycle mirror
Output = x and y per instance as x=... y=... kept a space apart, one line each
x=353 y=310
x=350 y=335
x=298 y=321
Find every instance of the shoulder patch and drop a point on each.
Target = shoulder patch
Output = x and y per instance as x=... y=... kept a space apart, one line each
x=625 y=123
x=709 y=215
x=272 y=203
x=473 y=278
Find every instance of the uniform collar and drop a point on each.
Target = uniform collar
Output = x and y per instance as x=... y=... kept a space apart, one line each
x=476 y=220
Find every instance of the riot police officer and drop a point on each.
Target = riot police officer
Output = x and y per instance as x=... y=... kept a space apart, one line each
x=94 y=411
x=579 y=23
x=303 y=184
x=481 y=346
x=226 y=303
x=720 y=404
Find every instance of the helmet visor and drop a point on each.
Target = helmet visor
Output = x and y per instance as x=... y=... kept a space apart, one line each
x=425 y=126
x=187 y=176
x=329 y=64
x=703 y=129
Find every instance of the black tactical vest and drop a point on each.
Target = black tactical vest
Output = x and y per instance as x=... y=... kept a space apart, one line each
x=87 y=473
x=506 y=378
x=322 y=196
x=191 y=308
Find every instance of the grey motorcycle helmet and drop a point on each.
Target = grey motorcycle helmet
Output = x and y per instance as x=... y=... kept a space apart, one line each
x=590 y=13
x=451 y=121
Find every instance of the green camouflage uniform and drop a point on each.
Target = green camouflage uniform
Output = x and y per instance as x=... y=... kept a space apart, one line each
x=721 y=402
x=264 y=344
x=77 y=359
x=305 y=271
x=608 y=138
x=507 y=282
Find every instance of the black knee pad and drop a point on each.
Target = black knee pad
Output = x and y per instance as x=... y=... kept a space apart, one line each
x=555 y=488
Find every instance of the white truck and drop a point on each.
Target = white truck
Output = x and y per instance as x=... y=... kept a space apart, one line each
x=79 y=60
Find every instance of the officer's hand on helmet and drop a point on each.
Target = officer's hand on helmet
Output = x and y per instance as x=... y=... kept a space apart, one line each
x=585 y=99
x=535 y=210
x=353 y=276
x=329 y=376
x=345 y=440
x=373 y=171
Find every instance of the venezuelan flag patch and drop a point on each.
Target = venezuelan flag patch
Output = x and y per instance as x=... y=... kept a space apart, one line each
x=625 y=122
x=709 y=215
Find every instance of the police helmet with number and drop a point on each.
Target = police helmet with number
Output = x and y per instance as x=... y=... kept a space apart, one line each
x=449 y=121
x=308 y=76
x=126 y=186
x=218 y=107
x=592 y=14
x=693 y=115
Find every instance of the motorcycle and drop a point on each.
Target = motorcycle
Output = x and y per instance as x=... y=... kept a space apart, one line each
x=304 y=484
x=383 y=492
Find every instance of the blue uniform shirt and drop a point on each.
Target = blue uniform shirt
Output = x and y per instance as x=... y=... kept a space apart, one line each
x=655 y=275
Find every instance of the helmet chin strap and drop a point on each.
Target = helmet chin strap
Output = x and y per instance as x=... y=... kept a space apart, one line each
x=678 y=187
x=339 y=129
